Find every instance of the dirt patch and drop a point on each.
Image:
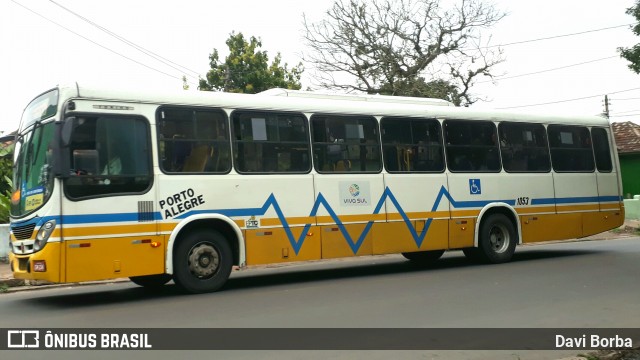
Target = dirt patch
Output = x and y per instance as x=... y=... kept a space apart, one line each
x=633 y=354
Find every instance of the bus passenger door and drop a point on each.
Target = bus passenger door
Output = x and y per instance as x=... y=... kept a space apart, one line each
x=416 y=191
x=417 y=209
x=110 y=222
x=611 y=214
x=574 y=179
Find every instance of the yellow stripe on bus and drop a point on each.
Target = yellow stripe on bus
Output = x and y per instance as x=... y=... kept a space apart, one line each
x=109 y=230
x=577 y=208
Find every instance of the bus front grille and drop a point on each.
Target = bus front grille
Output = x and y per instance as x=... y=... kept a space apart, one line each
x=23 y=232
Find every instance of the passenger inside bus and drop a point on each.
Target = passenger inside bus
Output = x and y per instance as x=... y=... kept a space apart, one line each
x=113 y=166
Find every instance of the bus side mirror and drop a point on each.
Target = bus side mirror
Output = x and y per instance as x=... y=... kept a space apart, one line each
x=61 y=162
x=67 y=129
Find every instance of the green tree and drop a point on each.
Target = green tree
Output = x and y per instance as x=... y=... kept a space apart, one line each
x=6 y=171
x=436 y=89
x=430 y=48
x=247 y=70
x=632 y=54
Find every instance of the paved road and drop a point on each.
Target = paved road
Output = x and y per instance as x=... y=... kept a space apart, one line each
x=580 y=284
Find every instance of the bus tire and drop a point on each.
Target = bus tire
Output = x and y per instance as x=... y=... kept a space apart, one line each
x=423 y=256
x=151 y=281
x=202 y=262
x=497 y=239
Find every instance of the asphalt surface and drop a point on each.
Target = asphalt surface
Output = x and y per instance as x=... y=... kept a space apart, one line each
x=589 y=284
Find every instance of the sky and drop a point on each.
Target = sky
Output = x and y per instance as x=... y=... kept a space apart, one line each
x=37 y=54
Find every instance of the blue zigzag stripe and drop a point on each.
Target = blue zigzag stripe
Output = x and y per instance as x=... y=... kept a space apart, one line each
x=296 y=244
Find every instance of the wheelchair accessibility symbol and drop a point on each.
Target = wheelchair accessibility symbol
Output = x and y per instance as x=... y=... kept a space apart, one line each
x=474 y=187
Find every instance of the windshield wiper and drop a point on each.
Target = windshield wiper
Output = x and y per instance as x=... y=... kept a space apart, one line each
x=35 y=128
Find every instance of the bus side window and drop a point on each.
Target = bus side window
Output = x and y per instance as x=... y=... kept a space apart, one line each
x=343 y=143
x=193 y=140
x=601 y=150
x=270 y=142
x=524 y=147
x=471 y=146
x=571 y=149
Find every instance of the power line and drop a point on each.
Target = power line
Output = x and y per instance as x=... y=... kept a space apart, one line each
x=617 y=116
x=96 y=43
x=567 y=100
x=624 y=99
x=130 y=43
x=627 y=111
x=558 y=36
x=547 y=70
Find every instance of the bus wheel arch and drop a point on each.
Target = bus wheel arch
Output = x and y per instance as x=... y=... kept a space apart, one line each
x=496 y=236
x=217 y=223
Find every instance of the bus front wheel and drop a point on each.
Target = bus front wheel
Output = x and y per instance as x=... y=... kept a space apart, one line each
x=497 y=239
x=202 y=262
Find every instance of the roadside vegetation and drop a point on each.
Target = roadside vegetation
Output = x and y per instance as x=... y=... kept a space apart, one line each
x=612 y=355
x=6 y=157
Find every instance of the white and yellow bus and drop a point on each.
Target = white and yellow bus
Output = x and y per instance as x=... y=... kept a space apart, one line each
x=186 y=185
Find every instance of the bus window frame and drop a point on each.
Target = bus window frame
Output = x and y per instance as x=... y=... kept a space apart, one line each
x=496 y=145
x=551 y=126
x=593 y=145
x=411 y=120
x=150 y=158
x=547 y=147
x=194 y=109
x=351 y=170
x=234 y=141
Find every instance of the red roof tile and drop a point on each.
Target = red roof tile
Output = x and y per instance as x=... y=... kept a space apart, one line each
x=627 y=136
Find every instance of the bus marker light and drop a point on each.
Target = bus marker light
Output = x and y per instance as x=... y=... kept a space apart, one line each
x=39 y=266
x=83 y=245
x=143 y=241
x=15 y=197
x=155 y=244
x=309 y=234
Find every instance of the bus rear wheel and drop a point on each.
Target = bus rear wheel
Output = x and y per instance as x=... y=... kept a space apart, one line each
x=151 y=281
x=202 y=262
x=497 y=239
x=423 y=256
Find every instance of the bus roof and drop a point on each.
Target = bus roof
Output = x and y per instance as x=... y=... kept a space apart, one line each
x=310 y=103
x=357 y=97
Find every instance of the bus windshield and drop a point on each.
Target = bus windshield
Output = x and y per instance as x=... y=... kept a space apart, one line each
x=32 y=175
x=42 y=107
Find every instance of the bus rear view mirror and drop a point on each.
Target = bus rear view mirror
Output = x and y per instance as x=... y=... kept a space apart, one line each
x=67 y=130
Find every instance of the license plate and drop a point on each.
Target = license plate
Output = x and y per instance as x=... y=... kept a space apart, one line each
x=39 y=266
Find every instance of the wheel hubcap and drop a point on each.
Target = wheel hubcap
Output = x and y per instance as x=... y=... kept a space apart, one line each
x=499 y=238
x=204 y=260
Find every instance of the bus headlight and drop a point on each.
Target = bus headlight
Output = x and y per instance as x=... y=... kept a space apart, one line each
x=43 y=234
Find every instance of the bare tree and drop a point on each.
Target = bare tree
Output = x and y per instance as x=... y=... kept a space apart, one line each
x=403 y=47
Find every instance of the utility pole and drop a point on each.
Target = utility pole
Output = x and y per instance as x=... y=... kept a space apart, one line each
x=606 y=106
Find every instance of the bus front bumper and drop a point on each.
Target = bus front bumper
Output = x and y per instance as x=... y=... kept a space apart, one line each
x=41 y=265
